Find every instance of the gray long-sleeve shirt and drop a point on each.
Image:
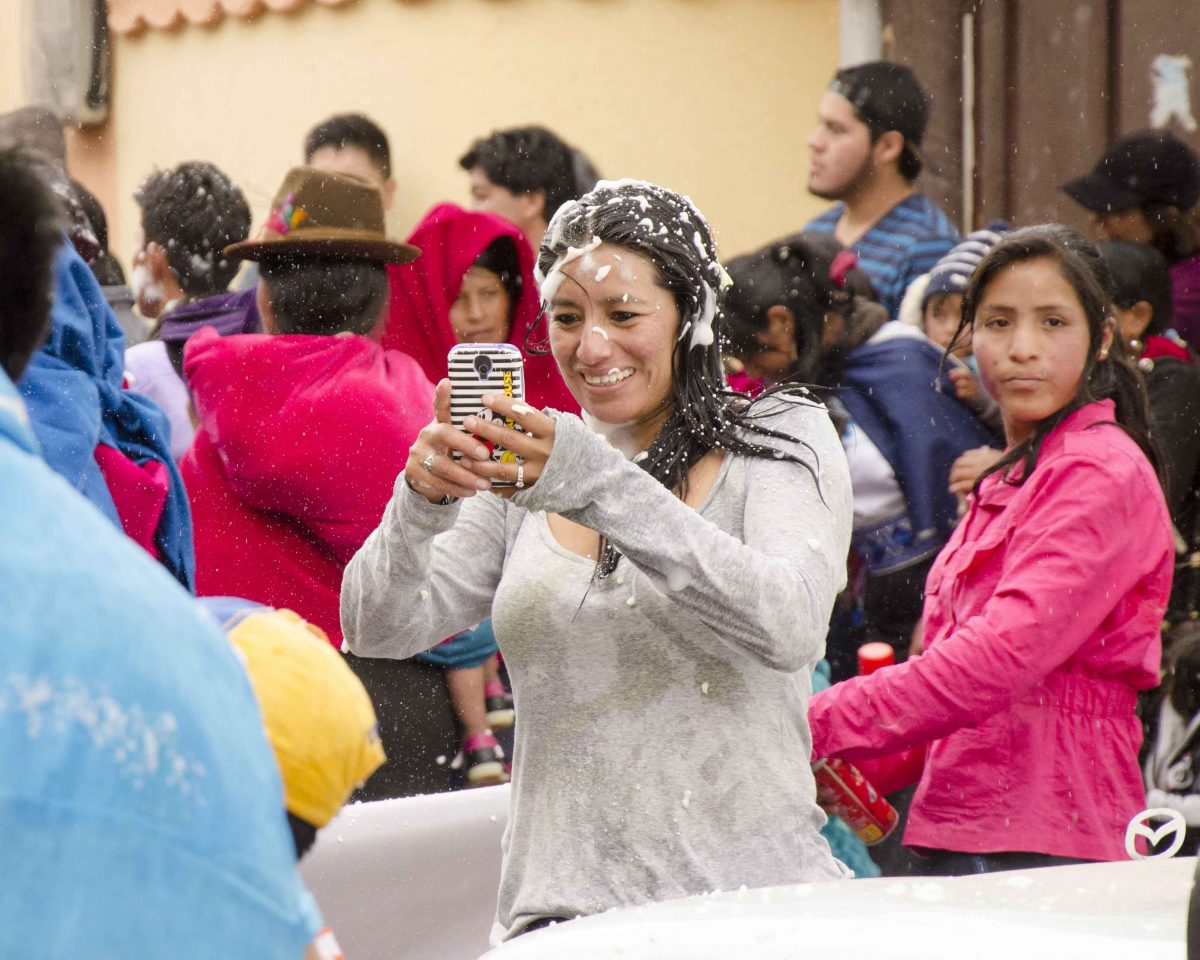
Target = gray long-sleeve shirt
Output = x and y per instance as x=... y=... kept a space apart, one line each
x=663 y=746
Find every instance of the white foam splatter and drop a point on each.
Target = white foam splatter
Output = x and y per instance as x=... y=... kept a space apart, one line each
x=702 y=331
x=603 y=272
x=142 y=745
x=553 y=280
x=600 y=331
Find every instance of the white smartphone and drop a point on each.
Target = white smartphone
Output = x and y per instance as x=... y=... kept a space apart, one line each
x=479 y=368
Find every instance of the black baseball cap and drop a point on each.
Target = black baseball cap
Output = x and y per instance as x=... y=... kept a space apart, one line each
x=1151 y=166
x=887 y=96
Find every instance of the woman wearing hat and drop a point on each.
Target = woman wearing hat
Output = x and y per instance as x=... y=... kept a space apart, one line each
x=1144 y=189
x=663 y=570
x=300 y=434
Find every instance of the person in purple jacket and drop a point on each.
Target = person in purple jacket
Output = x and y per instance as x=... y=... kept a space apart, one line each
x=1042 y=614
x=181 y=280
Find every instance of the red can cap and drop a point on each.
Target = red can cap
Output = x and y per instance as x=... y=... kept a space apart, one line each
x=872 y=656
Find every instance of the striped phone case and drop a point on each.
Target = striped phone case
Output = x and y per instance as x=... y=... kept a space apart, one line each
x=479 y=368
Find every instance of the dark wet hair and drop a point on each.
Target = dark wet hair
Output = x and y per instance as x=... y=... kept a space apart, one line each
x=304 y=834
x=323 y=297
x=194 y=212
x=666 y=228
x=1140 y=272
x=31 y=232
x=500 y=257
x=1174 y=233
x=1114 y=377
x=794 y=272
x=351 y=130
x=528 y=160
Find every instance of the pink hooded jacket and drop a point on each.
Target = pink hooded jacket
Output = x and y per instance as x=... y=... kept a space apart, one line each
x=1042 y=619
x=299 y=444
x=422 y=292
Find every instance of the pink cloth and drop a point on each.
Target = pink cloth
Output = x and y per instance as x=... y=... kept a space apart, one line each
x=1042 y=619
x=742 y=382
x=299 y=443
x=139 y=492
x=422 y=292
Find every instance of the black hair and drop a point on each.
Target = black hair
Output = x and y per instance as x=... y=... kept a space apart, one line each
x=1181 y=684
x=93 y=210
x=1140 y=272
x=901 y=83
x=1174 y=233
x=794 y=272
x=500 y=257
x=107 y=270
x=1113 y=377
x=671 y=232
x=909 y=164
x=322 y=296
x=304 y=834
x=31 y=225
x=351 y=130
x=194 y=212
x=528 y=160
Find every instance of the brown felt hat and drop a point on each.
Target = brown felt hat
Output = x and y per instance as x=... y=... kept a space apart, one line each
x=320 y=214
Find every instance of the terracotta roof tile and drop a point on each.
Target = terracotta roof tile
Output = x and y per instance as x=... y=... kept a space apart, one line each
x=134 y=16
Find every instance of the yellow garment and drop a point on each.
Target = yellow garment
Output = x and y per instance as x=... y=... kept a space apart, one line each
x=318 y=716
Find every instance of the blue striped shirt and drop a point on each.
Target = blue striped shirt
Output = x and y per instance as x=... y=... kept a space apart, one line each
x=905 y=243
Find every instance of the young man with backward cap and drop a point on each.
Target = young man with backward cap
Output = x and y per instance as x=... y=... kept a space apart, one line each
x=866 y=155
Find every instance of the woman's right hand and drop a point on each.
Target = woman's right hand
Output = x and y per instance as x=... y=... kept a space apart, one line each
x=431 y=469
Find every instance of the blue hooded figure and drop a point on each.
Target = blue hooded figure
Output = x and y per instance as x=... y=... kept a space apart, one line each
x=81 y=414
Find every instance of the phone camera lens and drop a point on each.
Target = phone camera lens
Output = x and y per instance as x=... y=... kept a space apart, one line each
x=483 y=366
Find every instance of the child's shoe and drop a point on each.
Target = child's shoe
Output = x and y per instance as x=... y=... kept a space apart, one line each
x=484 y=761
x=499 y=703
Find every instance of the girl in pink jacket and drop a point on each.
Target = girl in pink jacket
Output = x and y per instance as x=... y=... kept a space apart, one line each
x=1042 y=613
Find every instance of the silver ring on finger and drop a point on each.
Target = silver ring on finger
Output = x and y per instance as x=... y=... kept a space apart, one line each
x=520 y=484
x=427 y=463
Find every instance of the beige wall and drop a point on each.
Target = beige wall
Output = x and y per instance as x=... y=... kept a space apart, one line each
x=12 y=87
x=712 y=97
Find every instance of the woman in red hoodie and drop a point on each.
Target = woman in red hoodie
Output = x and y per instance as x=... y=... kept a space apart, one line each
x=451 y=240
x=303 y=430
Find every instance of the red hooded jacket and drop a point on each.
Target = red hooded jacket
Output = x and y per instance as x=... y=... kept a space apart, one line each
x=299 y=443
x=422 y=292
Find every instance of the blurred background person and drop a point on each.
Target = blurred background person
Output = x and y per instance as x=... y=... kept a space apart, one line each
x=190 y=214
x=1144 y=189
x=800 y=309
x=524 y=174
x=866 y=154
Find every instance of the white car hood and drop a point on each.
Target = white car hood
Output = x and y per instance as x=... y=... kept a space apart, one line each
x=1091 y=912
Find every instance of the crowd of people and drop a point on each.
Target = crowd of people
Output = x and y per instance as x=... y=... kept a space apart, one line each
x=724 y=478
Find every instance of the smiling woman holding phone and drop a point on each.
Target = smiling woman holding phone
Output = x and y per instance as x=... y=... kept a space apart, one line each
x=660 y=578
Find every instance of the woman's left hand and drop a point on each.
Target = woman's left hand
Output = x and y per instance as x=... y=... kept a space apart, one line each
x=531 y=447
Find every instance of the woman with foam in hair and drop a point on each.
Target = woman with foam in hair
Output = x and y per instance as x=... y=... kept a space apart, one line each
x=664 y=569
x=1042 y=615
